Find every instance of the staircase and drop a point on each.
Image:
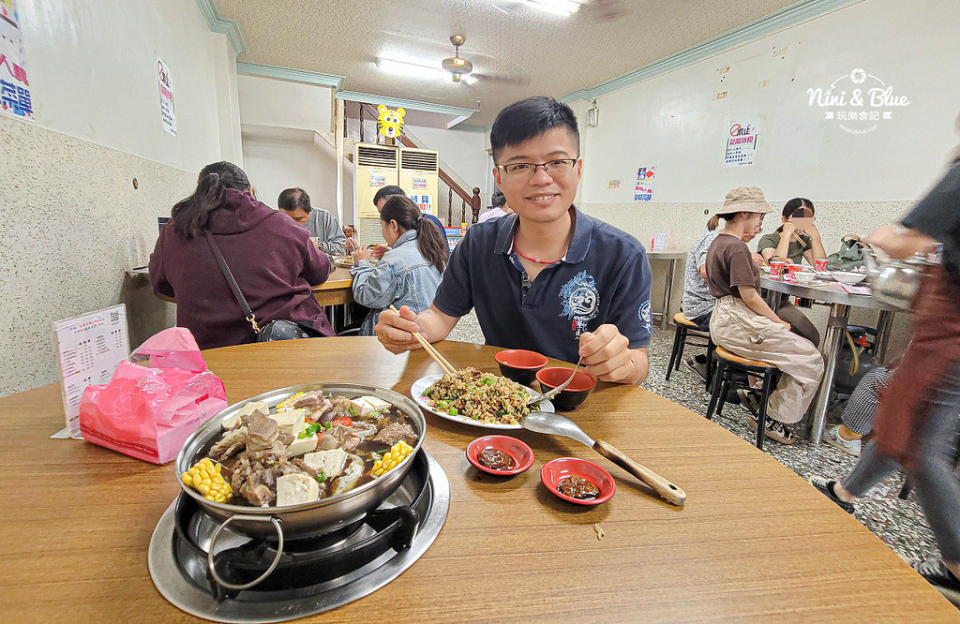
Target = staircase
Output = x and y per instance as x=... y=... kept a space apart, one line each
x=455 y=204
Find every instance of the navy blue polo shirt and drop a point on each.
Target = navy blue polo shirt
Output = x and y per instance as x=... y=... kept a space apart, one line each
x=603 y=278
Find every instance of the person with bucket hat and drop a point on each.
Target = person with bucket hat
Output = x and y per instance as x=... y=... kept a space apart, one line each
x=744 y=324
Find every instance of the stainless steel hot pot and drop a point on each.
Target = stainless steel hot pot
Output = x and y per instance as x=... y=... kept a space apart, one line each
x=321 y=516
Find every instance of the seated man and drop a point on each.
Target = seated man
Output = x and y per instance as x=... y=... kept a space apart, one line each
x=324 y=228
x=548 y=278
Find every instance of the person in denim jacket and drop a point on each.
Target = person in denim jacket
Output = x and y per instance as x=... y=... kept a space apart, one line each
x=408 y=274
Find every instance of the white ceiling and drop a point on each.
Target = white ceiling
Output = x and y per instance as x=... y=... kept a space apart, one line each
x=540 y=53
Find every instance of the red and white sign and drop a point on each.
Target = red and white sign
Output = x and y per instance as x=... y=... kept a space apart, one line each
x=15 y=97
x=168 y=115
x=741 y=145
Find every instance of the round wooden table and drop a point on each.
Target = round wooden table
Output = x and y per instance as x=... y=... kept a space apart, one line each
x=754 y=542
x=337 y=290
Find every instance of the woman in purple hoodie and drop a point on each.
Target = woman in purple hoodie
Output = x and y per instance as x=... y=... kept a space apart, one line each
x=271 y=258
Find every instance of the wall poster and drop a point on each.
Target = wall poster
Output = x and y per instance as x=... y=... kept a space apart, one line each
x=741 y=145
x=15 y=99
x=643 y=188
x=168 y=115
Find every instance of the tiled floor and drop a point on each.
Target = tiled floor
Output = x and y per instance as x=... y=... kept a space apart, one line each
x=899 y=523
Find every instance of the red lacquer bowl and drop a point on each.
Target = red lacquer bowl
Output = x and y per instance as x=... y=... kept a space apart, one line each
x=573 y=395
x=521 y=453
x=520 y=365
x=555 y=471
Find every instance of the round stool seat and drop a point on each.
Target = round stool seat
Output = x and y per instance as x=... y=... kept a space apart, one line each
x=680 y=319
x=736 y=359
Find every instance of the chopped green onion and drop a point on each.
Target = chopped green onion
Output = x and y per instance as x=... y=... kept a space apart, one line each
x=428 y=392
x=453 y=411
x=352 y=411
x=328 y=425
x=302 y=435
x=321 y=477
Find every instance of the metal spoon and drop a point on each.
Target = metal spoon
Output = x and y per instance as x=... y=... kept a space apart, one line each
x=558 y=424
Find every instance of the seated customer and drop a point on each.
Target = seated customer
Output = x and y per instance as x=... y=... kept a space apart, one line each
x=408 y=274
x=500 y=208
x=548 y=278
x=744 y=324
x=380 y=198
x=697 y=302
x=857 y=418
x=323 y=227
x=270 y=256
x=797 y=239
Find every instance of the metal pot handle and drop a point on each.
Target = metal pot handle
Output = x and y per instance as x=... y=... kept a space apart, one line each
x=259 y=579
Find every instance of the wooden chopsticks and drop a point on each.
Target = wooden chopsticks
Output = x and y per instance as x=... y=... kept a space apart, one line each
x=430 y=349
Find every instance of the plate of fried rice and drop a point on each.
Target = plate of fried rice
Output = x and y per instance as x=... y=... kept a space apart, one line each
x=476 y=398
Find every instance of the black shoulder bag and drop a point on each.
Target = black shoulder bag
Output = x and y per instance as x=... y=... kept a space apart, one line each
x=274 y=330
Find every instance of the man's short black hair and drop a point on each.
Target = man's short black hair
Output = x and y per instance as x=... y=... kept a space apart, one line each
x=531 y=117
x=387 y=191
x=292 y=198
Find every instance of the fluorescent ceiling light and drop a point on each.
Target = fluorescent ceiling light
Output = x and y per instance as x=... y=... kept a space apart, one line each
x=565 y=8
x=418 y=70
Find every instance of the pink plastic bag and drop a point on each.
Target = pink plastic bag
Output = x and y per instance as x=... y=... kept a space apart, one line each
x=148 y=412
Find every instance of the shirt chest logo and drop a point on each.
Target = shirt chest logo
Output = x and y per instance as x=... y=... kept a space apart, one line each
x=580 y=301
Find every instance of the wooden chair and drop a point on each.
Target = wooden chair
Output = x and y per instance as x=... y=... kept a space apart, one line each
x=686 y=330
x=727 y=363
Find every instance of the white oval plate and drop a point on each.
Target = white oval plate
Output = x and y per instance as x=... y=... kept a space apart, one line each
x=416 y=392
x=346 y=262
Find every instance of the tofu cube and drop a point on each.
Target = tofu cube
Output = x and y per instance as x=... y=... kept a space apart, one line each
x=376 y=403
x=330 y=462
x=295 y=489
x=246 y=410
x=360 y=407
x=290 y=420
x=299 y=446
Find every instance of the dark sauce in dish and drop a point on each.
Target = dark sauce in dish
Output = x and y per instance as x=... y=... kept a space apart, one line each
x=579 y=488
x=495 y=459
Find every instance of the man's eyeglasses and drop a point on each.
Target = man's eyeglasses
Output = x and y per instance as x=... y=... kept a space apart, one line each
x=556 y=167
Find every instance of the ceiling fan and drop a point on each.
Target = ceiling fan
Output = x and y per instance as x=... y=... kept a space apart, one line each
x=457 y=66
x=461 y=69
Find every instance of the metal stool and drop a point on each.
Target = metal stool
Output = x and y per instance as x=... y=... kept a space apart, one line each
x=728 y=362
x=686 y=327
